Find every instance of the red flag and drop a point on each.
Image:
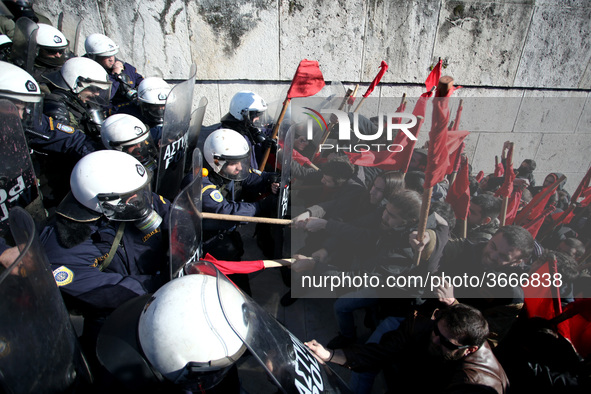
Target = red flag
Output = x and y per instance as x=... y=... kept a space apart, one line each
x=506 y=188
x=540 y=300
x=513 y=206
x=479 y=176
x=459 y=193
x=536 y=206
x=534 y=225
x=455 y=159
x=563 y=217
x=583 y=186
x=401 y=108
x=433 y=78
x=578 y=327
x=376 y=80
x=438 y=155
x=394 y=161
x=307 y=81
x=235 y=267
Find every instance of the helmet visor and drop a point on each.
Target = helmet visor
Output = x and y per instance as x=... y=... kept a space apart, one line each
x=125 y=207
x=96 y=92
x=234 y=168
x=29 y=106
x=144 y=151
x=154 y=112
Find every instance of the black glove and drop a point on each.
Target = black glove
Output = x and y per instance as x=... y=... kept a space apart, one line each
x=270 y=143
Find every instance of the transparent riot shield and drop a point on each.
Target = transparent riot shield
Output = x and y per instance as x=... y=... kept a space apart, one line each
x=185 y=222
x=24 y=44
x=194 y=131
x=285 y=154
x=39 y=352
x=175 y=134
x=286 y=359
x=18 y=183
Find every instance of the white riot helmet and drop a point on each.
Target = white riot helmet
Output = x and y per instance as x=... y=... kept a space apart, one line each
x=152 y=93
x=247 y=105
x=87 y=79
x=100 y=45
x=227 y=153
x=116 y=185
x=128 y=134
x=5 y=40
x=184 y=332
x=51 y=44
x=20 y=87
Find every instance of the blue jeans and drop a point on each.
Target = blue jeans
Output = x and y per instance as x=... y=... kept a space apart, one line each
x=345 y=305
x=362 y=382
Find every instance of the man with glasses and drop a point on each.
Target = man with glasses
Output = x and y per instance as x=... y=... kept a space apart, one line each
x=444 y=354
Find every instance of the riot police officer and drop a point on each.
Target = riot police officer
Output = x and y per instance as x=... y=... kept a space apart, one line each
x=128 y=134
x=123 y=76
x=107 y=244
x=51 y=52
x=246 y=110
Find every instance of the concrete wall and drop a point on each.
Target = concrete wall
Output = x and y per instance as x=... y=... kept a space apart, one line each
x=520 y=49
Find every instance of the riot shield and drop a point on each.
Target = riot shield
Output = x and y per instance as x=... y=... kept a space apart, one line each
x=285 y=358
x=18 y=183
x=194 y=131
x=185 y=223
x=24 y=44
x=39 y=352
x=175 y=134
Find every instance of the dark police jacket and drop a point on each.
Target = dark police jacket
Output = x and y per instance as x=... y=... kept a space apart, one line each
x=139 y=266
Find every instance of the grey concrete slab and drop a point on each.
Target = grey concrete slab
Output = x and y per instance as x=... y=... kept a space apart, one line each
x=235 y=39
x=491 y=144
x=553 y=112
x=557 y=50
x=481 y=41
x=402 y=34
x=584 y=124
x=330 y=32
x=586 y=79
x=563 y=153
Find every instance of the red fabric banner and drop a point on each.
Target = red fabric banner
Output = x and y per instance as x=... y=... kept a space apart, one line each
x=459 y=193
x=438 y=155
x=434 y=76
x=307 y=81
x=376 y=80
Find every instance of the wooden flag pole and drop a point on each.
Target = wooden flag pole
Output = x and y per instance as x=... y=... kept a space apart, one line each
x=275 y=132
x=443 y=87
x=249 y=219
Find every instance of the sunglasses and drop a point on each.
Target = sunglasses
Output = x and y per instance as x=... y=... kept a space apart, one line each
x=445 y=342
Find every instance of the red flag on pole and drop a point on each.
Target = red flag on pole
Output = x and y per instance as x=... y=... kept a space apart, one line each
x=583 y=186
x=438 y=155
x=536 y=206
x=479 y=176
x=376 y=80
x=534 y=225
x=538 y=300
x=499 y=170
x=578 y=327
x=307 y=81
x=459 y=193
x=506 y=188
x=455 y=147
x=394 y=161
x=433 y=78
x=513 y=204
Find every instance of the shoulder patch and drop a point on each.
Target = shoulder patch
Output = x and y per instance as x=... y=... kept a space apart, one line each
x=63 y=276
x=258 y=172
x=65 y=128
x=216 y=196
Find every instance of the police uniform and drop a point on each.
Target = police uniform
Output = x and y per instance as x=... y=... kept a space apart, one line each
x=118 y=99
x=139 y=266
x=219 y=195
